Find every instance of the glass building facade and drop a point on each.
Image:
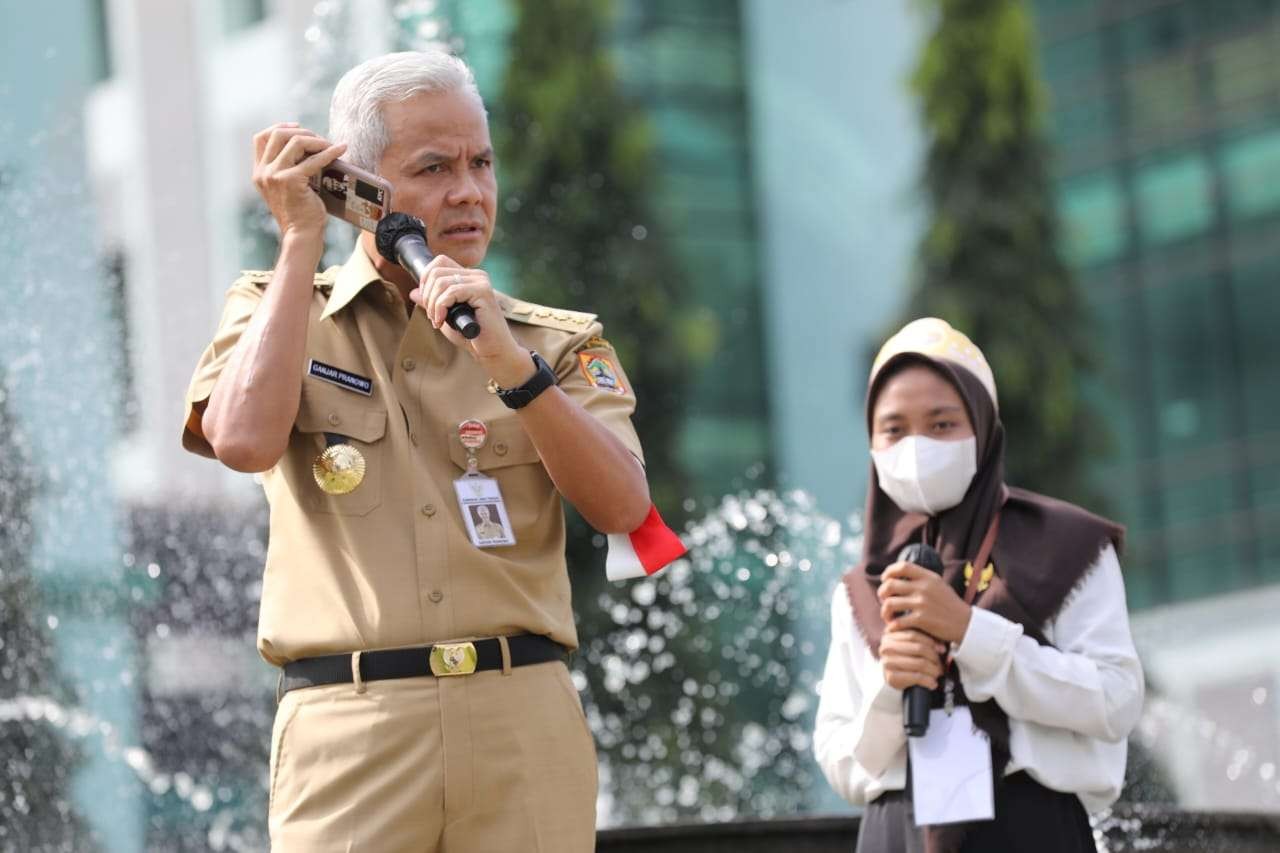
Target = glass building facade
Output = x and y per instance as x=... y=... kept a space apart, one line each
x=682 y=64
x=1165 y=120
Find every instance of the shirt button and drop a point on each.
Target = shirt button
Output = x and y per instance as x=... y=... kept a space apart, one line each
x=413 y=437
x=500 y=448
x=429 y=510
x=408 y=364
x=437 y=596
x=334 y=419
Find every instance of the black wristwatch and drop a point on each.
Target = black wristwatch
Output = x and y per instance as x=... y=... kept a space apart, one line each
x=518 y=398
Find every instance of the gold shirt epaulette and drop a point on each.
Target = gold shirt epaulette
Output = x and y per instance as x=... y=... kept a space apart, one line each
x=541 y=315
x=261 y=278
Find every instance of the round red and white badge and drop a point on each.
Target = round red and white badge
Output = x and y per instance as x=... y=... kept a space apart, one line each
x=473 y=434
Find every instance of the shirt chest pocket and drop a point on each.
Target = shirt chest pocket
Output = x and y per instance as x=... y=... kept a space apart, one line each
x=364 y=427
x=507 y=445
x=509 y=457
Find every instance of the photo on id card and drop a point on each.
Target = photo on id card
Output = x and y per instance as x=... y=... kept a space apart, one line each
x=484 y=512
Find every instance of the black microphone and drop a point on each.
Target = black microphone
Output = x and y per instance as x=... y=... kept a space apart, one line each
x=402 y=239
x=915 y=701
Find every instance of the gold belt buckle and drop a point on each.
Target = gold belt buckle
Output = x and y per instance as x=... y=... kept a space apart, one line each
x=453 y=659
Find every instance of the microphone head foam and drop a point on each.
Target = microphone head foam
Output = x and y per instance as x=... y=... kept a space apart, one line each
x=922 y=555
x=391 y=228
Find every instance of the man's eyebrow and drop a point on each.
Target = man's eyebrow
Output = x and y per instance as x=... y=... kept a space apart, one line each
x=430 y=157
x=427 y=157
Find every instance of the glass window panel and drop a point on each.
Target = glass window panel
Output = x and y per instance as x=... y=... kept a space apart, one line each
x=1203 y=558
x=1244 y=68
x=1251 y=171
x=697 y=58
x=1093 y=219
x=1204 y=571
x=1114 y=394
x=1162 y=96
x=1188 y=365
x=1141 y=587
x=1194 y=500
x=1080 y=56
x=1084 y=121
x=1265 y=496
x=1156 y=33
x=1220 y=16
x=1173 y=198
x=707 y=141
x=1264 y=491
x=1257 y=307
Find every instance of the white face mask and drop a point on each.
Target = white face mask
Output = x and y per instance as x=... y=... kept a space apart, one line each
x=922 y=474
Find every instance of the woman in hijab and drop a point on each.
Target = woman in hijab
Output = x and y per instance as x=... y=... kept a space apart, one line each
x=1026 y=625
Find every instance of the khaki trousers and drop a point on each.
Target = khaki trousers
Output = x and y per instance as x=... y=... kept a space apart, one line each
x=485 y=763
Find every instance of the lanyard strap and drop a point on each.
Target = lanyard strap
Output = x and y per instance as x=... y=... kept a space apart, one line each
x=980 y=562
x=971 y=592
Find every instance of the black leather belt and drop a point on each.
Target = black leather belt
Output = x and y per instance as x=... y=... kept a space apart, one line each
x=440 y=660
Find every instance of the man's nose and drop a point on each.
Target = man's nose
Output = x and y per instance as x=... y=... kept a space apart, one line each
x=466 y=190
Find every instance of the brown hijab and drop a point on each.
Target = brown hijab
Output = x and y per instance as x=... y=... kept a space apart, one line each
x=1042 y=551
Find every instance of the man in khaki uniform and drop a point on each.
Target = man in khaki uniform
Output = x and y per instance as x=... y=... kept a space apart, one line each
x=374 y=597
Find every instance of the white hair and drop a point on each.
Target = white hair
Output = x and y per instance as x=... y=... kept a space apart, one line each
x=355 y=112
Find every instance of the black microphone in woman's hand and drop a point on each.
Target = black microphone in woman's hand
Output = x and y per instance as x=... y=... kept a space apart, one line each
x=402 y=239
x=915 y=701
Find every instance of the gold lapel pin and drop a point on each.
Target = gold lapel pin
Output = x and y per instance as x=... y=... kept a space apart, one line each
x=984 y=580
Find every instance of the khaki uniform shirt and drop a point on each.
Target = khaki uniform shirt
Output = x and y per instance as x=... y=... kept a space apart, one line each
x=390 y=564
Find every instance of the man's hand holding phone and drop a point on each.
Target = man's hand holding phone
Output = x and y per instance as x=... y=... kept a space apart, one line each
x=286 y=156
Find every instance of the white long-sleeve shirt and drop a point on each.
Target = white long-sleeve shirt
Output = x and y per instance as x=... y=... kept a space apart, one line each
x=1071 y=705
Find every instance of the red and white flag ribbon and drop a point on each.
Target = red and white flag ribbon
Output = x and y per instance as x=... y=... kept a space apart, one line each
x=644 y=551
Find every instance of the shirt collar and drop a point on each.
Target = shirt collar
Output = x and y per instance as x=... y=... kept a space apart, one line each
x=354 y=276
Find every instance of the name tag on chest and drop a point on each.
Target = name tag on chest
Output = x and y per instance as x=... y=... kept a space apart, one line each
x=951 y=778
x=341 y=378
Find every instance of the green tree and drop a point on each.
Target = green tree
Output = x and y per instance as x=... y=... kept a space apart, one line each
x=574 y=162
x=36 y=761
x=989 y=262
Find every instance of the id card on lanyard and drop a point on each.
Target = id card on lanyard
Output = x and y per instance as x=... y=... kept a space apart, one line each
x=479 y=498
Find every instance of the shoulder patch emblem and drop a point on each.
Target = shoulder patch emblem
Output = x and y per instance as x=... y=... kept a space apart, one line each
x=597 y=342
x=601 y=372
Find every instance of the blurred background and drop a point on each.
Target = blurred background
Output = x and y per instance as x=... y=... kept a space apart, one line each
x=752 y=194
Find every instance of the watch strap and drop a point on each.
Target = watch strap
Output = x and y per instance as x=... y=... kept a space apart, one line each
x=544 y=378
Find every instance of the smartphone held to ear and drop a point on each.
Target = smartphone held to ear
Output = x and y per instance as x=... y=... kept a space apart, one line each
x=352 y=194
